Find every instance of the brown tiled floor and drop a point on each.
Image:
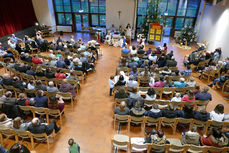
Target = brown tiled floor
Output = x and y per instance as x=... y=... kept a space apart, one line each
x=90 y=123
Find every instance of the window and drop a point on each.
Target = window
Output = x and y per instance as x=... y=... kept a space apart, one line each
x=87 y=12
x=178 y=12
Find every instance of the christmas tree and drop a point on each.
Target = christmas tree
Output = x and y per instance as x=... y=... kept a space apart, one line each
x=187 y=34
x=153 y=15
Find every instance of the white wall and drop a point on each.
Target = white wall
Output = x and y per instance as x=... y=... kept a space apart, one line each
x=128 y=13
x=214 y=27
x=44 y=12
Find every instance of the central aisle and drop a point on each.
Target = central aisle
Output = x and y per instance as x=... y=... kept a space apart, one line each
x=90 y=124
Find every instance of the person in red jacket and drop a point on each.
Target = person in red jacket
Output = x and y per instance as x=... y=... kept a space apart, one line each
x=36 y=60
x=59 y=74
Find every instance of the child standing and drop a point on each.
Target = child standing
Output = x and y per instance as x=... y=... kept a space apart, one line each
x=73 y=146
x=111 y=84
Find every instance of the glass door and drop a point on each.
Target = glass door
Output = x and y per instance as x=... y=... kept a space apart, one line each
x=78 y=22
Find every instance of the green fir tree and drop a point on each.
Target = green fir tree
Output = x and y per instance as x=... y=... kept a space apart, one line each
x=153 y=15
x=187 y=33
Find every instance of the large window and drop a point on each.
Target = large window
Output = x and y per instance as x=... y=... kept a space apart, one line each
x=175 y=13
x=80 y=13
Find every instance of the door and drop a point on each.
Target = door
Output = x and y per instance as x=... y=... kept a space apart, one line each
x=81 y=22
x=168 y=26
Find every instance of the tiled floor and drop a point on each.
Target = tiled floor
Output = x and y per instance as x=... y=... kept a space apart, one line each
x=90 y=123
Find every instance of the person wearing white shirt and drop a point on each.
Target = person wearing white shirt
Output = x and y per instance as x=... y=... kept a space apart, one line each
x=218 y=113
x=191 y=82
x=11 y=43
x=153 y=57
x=111 y=84
x=72 y=40
x=151 y=94
x=133 y=50
x=132 y=83
x=51 y=55
x=177 y=98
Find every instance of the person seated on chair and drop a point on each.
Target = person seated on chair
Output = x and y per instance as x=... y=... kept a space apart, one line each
x=38 y=128
x=191 y=137
x=180 y=84
x=134 y=94
x=5 y=123
x=187 y=112
x=169 y=112
x=7 y=98
x=151 y=94
x=218 y=113
x=177 y=97
x=23 y=100
x=165 y=71
x=137 y=110
x=133 y=50
x=53 y=62
x=121 y=81
x=41 y=100
x=56 y=102
x=132 y=83
x=125 y=50
x=61 y=64
x=59 y=74
x=161 y=61
x=189 y=97
x=51 y=55
x=67 y=87
x=155 y=112
x=7 y=80
x=159 y=83
x=27 y=58
x=214 y=138
x=141 y=50
x=132 y=64
x=121 y=94
x=134 y=73
x=152 y=57
x=122 y=109
x=40 y=86
x=20 y=126
x=187 y=72
x=19 y=83
x=159 y=138
x=171 y=62
x=18 y=148
x=49 y=73
x=51 y=87
x=221 y=80
x=31 y=84
x=36 y=60
x=30 y=71
x=169 y=55
x=204 y=95
x=72 y=76
x=191 y=82
x=202 y=115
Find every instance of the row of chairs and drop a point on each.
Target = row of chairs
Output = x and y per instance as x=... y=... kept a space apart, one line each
x=123 y=142
x=166 y=103
x=28 y=92
x=163 y=121
x=128 y=70
x=25 y=135
x=160 y=91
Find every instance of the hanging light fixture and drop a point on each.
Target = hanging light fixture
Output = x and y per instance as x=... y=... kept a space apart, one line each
x=91 y=1
x=82 y=0
x=149 y=1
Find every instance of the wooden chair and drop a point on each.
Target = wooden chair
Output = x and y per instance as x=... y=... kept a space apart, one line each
x=185 y=121
x=200 y=103
x=158 y=147
x=215 y=149
x=80 y=75
x=68 y=96
x=56 y=113
x=118 y=101
x=149 y=121
x=175 y=148
x=163 y=103
x=30 y=92
x=40 y=111
x=197 y=149
x=158 y=91
x=42 y=138
x=172 y=122
x=120 y=142
x=7 y=133
x=43 y=79
x=24 y=135
x=25 y=108
x=136 y=121
x=201 y=124
x=121 y=119
x=215 y=124
x=167 y=91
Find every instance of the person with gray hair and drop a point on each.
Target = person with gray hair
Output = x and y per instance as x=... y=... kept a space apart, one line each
x=51 y=55
x=7 y=80
x=38 y=128
x=51 y=87
x=122 y=109
x=204 y=95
